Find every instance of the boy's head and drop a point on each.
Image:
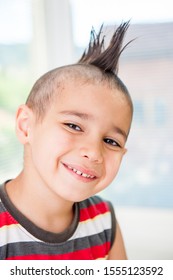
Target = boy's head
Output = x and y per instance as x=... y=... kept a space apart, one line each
x=76 y=122
x=95 y=66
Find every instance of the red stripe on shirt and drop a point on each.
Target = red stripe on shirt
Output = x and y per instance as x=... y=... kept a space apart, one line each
x=93 y=210
x=6 y=219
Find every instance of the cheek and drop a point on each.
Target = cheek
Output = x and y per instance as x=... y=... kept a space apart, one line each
x=49 y=147
x=113 y=165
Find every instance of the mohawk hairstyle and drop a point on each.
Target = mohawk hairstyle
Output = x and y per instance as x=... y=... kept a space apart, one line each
x=105 y=59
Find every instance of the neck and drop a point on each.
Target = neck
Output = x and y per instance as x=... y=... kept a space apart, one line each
x=39 y=204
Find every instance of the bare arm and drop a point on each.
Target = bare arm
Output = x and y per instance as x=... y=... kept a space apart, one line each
x=118 y=251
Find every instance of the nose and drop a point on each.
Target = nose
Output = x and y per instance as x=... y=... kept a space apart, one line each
x=92 y=151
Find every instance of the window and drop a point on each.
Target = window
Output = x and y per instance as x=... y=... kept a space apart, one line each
x=160 y=112
x=15 y=57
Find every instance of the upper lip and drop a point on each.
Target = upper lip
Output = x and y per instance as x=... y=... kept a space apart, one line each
x=82 y=169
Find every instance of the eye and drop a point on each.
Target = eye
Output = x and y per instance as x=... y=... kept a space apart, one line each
x=111 y=142
x=73 y=126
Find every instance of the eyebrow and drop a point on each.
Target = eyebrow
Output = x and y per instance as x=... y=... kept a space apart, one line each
x=86 y=116
x=120 y=131
x=78 y=114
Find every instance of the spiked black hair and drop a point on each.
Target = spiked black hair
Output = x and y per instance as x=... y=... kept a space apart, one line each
x=105 y=59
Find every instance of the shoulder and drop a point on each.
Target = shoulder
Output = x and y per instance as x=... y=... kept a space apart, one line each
x=97 y=204
x=118 y=251
x=102 y=211
x=99 y=209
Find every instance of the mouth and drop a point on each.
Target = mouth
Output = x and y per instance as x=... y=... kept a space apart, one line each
x=81 y=172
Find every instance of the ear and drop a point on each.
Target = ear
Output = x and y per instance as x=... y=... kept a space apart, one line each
x=124 y=151
x=23 y=123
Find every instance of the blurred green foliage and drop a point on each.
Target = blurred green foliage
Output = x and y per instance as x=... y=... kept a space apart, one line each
x=15 y=85
x=13 y=91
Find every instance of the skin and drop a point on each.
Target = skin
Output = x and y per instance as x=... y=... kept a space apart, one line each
x=85 y=131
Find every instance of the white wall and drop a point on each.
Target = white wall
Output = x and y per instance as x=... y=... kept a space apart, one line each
x=147 y=232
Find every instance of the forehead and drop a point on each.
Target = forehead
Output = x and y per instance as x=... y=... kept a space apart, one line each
x=94 y=101
x=95 y=92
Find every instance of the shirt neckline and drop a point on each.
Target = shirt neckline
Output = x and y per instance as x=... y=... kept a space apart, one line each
x=37 y=232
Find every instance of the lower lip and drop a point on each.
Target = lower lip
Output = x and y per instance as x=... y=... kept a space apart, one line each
x=79 y=177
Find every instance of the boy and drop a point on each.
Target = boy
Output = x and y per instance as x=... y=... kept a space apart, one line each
x=74 y=128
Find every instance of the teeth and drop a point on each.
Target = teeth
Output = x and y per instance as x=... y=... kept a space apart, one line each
x=85 y=175
x=80 y=173
x=70 y=167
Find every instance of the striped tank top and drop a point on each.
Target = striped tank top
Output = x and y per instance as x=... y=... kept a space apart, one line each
x=89 y=237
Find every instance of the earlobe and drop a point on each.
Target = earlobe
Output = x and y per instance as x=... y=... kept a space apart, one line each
x=23 y=121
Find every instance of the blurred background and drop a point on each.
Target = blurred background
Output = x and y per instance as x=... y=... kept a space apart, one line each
x=38 y=35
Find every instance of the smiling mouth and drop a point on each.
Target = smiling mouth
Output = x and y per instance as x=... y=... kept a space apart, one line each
x=80 y=173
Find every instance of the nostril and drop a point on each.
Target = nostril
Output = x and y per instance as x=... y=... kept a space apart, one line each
x=92 y=153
